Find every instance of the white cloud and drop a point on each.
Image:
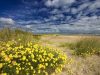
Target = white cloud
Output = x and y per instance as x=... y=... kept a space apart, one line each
x=92 y=6
x=83 y=6
x=58 y=3
x=6 y=21
x=22 y=22
x=57 y=16
x=28 y=26
x=84 y=25
x=56 y=11
x=73 y=10
x=95 y=5
x=88 y=23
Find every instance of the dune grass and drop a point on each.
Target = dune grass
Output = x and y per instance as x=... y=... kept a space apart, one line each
x=86 y=47
x=8 y=34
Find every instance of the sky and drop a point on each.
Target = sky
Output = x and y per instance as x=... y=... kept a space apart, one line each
x=51 y=16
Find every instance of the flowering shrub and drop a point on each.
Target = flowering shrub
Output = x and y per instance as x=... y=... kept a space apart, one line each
x=30 y=59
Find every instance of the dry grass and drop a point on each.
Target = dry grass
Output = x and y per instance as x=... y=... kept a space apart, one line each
x=80 y=65
x=8 y=34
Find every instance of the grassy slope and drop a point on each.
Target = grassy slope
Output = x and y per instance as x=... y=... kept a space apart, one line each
x=80 y=66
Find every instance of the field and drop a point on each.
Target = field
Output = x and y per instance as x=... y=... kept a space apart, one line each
x=81 y=65
x=82 y=51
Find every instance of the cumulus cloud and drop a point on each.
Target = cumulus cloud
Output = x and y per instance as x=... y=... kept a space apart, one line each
x=84 y=25
x=90 y=6
x=56 y=17
x=96 y=4
x=88 y=23
x=58 y=3
x=6 y=21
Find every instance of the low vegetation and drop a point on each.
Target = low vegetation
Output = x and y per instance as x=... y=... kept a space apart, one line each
x=30 y=59
x=84 y=47
x=20 y=55
x=8 y=34
x=87 y=47
x=66 y=45
x=24 y=53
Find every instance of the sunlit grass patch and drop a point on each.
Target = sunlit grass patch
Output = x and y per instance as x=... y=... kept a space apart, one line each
x=87 y=46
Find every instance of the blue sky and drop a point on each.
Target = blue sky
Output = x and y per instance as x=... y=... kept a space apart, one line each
x=51 y=16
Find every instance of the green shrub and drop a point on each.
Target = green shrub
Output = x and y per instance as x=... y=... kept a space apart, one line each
x=30 y=59
x=87 y=46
